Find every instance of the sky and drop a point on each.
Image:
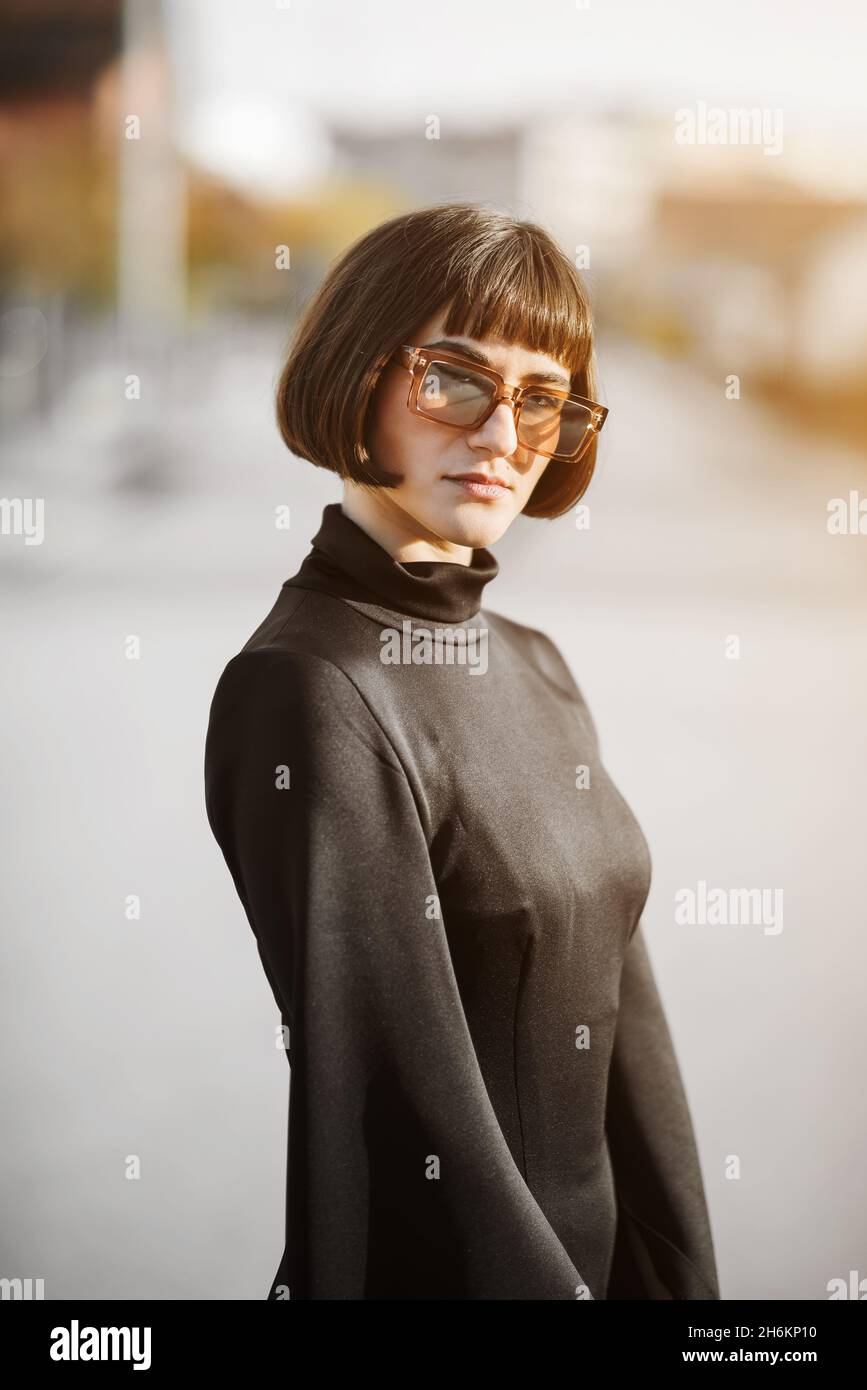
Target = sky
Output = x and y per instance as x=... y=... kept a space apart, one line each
x=258 y=78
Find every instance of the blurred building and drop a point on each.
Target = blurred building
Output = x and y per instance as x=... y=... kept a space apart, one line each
x=757 y=252
x=51 y=53
x=57 y=230
x=712 y=252
x=459 y=165
x=592 y=178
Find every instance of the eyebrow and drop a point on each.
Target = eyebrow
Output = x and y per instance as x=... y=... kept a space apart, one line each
x=532 y=378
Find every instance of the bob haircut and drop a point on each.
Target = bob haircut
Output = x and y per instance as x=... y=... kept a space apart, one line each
x=501 y=278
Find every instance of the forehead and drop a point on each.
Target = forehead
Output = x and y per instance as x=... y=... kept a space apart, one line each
x=498 y=352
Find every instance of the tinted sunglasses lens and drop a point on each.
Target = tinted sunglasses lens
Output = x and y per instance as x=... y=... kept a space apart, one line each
x=554 y=426
x=453 y=394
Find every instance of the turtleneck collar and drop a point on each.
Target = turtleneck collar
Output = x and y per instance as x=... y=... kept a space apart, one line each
x=348 y=563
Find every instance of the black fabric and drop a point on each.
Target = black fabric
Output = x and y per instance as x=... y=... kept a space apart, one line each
x=347 y=563
x=445 y=915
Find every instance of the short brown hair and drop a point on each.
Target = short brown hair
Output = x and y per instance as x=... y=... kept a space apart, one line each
x=501 y=278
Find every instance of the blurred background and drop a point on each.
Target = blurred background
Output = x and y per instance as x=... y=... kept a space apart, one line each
x=175 y=178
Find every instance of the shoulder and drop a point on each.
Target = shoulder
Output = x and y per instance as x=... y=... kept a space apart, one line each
x=266 y=669
x=275 y=709
x=534 y=644
x=540 y=650
x=529 y=641
x=309 y=698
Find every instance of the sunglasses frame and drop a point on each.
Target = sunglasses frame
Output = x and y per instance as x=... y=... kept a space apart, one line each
x=418 y=359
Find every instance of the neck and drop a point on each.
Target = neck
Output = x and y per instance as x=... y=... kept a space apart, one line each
x=396 y=530
x=346 y=562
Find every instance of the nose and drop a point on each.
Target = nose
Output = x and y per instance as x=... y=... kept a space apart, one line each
x=498 y=433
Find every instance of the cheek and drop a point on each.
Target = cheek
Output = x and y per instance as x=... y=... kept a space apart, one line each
x=392 y=424
x=384 y=415
x=412 y=444
x=532 y=476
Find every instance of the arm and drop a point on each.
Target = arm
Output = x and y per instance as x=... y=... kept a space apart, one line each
x=664 y=1247
x=401 y=1183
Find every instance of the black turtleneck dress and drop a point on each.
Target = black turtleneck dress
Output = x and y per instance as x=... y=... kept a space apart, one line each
x=445 y=888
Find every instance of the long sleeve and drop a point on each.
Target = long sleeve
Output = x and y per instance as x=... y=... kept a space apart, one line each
x=664 y=1247
x=401 y=1183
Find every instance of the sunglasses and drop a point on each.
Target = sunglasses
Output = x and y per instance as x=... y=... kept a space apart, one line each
x=454 y=390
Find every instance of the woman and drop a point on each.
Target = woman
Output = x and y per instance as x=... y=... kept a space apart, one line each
x=444 y=884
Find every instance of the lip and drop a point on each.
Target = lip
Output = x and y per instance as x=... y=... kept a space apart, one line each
x=482 y=485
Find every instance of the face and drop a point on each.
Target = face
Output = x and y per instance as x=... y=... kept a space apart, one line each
x=438 y=497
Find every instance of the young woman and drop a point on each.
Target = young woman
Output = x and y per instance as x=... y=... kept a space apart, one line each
x=444 y=884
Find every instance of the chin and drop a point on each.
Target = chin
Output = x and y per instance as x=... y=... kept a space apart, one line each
x=476 y=524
